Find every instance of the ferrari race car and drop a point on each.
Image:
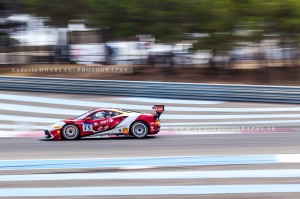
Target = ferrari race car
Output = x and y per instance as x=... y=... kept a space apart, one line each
x=107 y=122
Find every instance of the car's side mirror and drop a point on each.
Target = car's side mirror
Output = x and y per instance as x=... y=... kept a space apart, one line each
x=88 y=119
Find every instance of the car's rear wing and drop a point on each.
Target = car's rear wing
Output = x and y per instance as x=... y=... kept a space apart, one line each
x=159 y=109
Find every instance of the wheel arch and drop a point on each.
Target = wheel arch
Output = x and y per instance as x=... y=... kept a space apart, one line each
x=62 y=128
x=139 y=121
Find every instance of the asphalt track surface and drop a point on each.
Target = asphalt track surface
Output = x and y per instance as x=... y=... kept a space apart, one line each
x=155 y=146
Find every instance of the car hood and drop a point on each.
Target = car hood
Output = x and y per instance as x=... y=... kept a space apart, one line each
x=67 y=121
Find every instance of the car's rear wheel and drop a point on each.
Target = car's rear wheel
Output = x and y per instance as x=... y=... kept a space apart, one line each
x=139 y=129
x=70 y=132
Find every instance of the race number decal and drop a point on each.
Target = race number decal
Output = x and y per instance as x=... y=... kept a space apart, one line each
x=87 y=127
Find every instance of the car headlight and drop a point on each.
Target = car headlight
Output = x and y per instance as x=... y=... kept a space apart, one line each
x=56 y=127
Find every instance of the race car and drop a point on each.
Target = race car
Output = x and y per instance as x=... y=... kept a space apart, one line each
x=107 y=122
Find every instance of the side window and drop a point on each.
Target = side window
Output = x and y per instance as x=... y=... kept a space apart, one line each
x=111 y=114
x=115 y=114
x=99 y=115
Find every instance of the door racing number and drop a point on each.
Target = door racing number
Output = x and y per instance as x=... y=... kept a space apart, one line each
x=87 y=127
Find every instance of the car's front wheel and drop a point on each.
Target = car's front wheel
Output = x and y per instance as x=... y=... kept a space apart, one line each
x=70 y=132
x=139 y=129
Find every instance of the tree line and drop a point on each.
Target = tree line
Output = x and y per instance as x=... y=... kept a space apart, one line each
x=168 y=19
x=224 y=22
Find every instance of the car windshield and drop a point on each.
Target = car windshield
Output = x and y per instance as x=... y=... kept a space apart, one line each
x=81 y=117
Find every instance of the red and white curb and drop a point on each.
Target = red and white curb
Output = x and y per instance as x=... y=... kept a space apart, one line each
x=4 y=134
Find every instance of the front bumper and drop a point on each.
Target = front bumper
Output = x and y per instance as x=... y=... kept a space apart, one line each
x=53 y=131
x=48 y=135
x=52 y=135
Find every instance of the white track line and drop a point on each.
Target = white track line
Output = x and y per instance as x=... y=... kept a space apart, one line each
x=231 y=123
x=149 y=190
x=137 y=107
x=28 y=119
x=164 y=116
x=214 y=117
x=169 y=101
x=272 y=173
x=40 y=109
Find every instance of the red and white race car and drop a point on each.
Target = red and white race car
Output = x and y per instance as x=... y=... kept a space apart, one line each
x=107 y=122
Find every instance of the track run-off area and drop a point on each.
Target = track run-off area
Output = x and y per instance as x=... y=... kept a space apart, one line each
x=206 y=149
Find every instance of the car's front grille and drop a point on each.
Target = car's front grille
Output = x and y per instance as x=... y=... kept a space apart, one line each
x=47 y=134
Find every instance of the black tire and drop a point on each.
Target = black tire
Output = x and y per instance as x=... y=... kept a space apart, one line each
x=139 y=129
x=70 y=132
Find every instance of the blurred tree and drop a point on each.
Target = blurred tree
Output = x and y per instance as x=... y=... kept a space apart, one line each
x=130 y=17
x=169 y=18
x=59 y=12
x=219 y=21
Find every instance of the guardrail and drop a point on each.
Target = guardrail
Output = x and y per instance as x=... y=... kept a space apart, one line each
x=247 y=93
